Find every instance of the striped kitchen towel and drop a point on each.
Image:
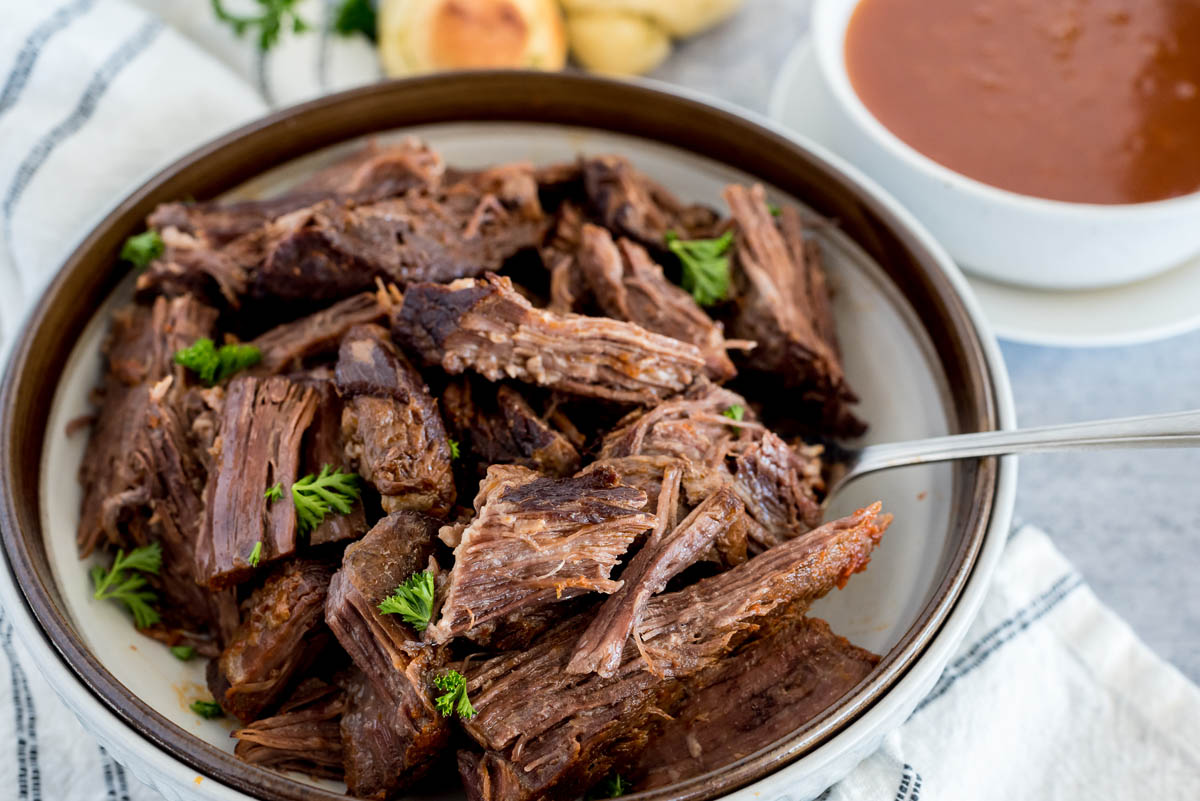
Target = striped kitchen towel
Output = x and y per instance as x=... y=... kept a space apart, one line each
x=1050 y=697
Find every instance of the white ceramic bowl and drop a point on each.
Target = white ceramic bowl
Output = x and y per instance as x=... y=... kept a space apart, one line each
x=139 y=692
x=993 y=232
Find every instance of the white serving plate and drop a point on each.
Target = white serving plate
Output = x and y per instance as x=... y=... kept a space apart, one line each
x=905 y=395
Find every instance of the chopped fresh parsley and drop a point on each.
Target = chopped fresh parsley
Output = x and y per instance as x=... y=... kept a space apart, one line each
x=314 y=497
x=774 y=209
x=273 y=19
x=212 y=364
x=735 y=412
x=612 y=787
x=255 y=554
x=183 y=652
x=142 y=249
x=207 y=709
x=355 y=16
x=454 y=695
x=705 y=266
x=120 y=583
x=412 y=600
x=273 y=493
x=455 y=450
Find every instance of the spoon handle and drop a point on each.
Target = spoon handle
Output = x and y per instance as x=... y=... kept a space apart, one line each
x=1175 y=430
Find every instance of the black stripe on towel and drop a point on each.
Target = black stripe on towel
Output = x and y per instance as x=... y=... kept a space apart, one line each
x=29 y=783
x=27 y=56
x=978 y=653
x=106 y=766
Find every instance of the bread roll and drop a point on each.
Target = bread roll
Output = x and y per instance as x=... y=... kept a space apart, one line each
x=616 y=43
x=678 y=17
x=429 y=35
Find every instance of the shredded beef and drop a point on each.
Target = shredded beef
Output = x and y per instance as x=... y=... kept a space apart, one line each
x=628 y=285
x=282 y=633
x=765 y=691
x=393 y=432
x=628 y=203
x=304 y=736
x=537 y=540
x=486 y=326
x=259 y=445
x=784 y=306
x=286 y=346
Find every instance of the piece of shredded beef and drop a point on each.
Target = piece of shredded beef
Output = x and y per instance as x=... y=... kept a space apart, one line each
x=305 y=735
x=488 y=327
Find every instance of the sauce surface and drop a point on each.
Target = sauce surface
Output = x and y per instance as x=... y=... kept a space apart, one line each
x=1094 y=101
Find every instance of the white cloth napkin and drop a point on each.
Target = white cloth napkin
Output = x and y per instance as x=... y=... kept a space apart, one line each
x=1050 y=697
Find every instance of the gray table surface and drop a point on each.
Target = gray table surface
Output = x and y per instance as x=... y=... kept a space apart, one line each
x=1127 y=519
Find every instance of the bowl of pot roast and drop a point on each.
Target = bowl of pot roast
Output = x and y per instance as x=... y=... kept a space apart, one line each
x=470 y=436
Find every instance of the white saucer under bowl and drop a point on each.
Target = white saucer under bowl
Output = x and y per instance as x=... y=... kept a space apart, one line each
x=1161 y=306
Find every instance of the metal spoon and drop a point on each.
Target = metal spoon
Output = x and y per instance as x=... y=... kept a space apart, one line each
x=1176 y=430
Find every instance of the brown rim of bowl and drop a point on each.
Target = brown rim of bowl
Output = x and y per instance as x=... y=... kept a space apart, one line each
x=91 y=273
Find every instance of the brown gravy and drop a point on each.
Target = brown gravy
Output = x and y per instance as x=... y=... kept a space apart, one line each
x=1094 y=101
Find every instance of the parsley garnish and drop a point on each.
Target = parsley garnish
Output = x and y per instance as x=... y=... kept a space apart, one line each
x=612 y=787
x=273 y=493
x=269 y=23
x=183 y=652
x=455 y=451
x=735 y=412
x=774 y=209
x=314 y=497
x=207 y=709
x=705 y=266
x=255 y=554
x=454 y=698
x=130 y=589
x=142 y=249
x=212 y=364
x=355 y=16
x=412 y=600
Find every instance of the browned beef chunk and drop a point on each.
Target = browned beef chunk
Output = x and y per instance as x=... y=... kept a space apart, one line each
x=336 y=248
x=286 y=346
x=551 y=732
x=304 y=735
x=629 y=203
x=373 y=173
x=387 y=747
x=393 y=432
x=117 y=471
x=486 y=326
x=778 y=484
x=324 y=445
x=537 y=540
x=752 y=698
x=391 y=728
x=282 y=633
x=261 y=432
x=568 y=285
x=189 y=612
x=494 y=424
x=783 y=305
x=628 y=285
x=662 y=558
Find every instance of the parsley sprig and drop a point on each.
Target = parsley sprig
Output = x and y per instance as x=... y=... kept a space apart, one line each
x=705 y=266
x=274 y=16
x=123 y=583
x=255 y=554
x=455 y=449
x=211 y=364
x=183 y=652
x=207 y=709
x=412 y=600
x=355 y=16
x=273 y=493
x=315 y=496
x=454 y=696
x=613 y=786
x=143 y=248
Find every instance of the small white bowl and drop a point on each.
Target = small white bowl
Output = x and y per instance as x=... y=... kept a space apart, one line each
x=999 y=234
